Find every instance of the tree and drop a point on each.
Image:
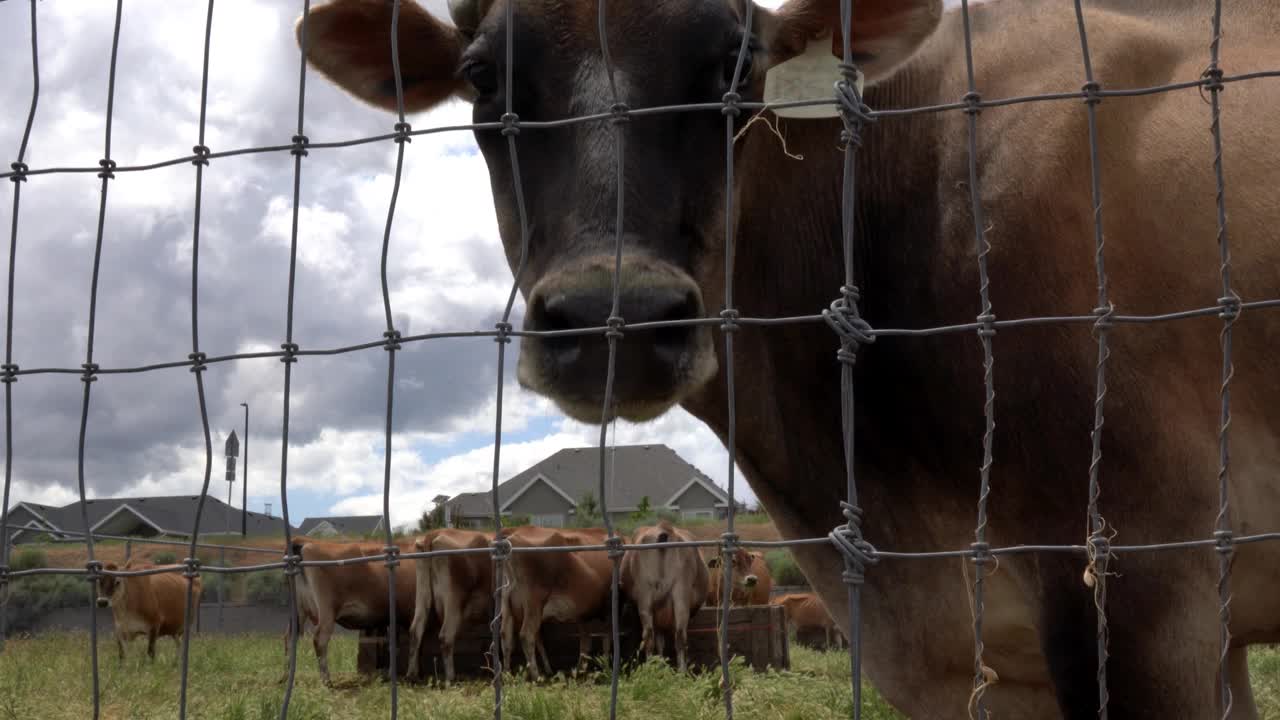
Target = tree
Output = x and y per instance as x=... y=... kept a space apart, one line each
x=587 y=513
x=431 y=519
x=642 y=510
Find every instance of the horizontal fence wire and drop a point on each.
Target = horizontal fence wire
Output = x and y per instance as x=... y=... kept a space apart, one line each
x=843 y=316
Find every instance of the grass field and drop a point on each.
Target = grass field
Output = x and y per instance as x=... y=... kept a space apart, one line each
x=238 y=678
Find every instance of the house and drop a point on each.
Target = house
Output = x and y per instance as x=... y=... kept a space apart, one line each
x=351 y=526
x=157 y=517
x=549 y=492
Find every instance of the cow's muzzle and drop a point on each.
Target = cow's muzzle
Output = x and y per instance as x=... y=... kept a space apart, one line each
x=104 y=602
x=750 y=581
x=654 y=367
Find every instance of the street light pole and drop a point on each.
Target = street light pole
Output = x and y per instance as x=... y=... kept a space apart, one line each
x=244 y=487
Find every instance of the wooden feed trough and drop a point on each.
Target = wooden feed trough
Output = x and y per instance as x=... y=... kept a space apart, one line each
x=757 y=633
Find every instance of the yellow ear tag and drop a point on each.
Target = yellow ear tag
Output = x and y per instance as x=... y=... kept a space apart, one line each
x=811 y=75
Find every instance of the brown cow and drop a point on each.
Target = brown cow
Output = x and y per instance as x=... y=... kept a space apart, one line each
x=558 y=586
x=151 y=605
x=668 y=586
x=353 y=596
x=752 y=582
x=805 y=611
x=459 y=588
x=918 y=401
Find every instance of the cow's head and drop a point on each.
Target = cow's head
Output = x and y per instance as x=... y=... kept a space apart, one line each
x=743 y=577
x=665 y=52
x=107 y=586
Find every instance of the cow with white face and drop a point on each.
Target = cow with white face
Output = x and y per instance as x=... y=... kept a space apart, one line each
x=919 y=401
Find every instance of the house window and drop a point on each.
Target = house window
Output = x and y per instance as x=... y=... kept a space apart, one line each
x=697 y=514
x=549 y=520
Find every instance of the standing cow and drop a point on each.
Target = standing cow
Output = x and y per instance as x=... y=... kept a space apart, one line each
x=918 y=401
x=151 y=605
x=459 y=588
x=752 y=582
x=667 y=585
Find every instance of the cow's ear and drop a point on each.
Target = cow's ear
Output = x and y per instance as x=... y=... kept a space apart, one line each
x=349 y=42
x=713 y=562
x=885 y=33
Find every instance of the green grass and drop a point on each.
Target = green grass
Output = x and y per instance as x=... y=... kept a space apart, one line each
x=238 y=678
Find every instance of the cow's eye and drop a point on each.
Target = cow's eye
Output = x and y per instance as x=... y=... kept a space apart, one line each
x=482 y=75
x=730 y=62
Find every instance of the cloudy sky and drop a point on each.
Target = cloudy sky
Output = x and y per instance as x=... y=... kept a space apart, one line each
x=447 y=271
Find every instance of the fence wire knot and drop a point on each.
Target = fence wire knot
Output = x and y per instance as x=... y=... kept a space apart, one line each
x=402 y=132
x=191 y=568
x=1091 y=90
x=614 y=545
x=857 y=552
x=988 y=327
x=1225 y=541
x=197 y=361
x=201 y=153
x=108 y=168
x=731 y=100
x=90 y=373
x=615 y=325
x=20 y=170
x=291 y=565
x=94 y=570
x=621 y=113
x=1231 y=307
x=290 y=352
x=981 y=553
x=510 y=124
x=392 y=342
x=4 y=576
x=1213 y=79
x=728 y=543
x=1104 y=315
x=392 y=554
x=729 y=320
x=843 y=317
x=10 y=373
x=853 y=112
x=504 y=332
x=973 y=102
x=300 y=143
x=501 y=550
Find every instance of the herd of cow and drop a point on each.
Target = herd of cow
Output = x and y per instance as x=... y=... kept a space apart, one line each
x=455 y=590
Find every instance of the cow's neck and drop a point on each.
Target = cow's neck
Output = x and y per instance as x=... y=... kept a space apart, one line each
x=790 y=262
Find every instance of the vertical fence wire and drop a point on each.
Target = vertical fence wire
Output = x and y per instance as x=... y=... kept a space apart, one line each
x=615 y=322
x=299 y=151
x=981 y=550
x=1098 y=541
x=392 y=345
x=90 y=368
x=191 y=566
x=502 y=546
x=1230 y=303
x=8 y=377
x=728 y=326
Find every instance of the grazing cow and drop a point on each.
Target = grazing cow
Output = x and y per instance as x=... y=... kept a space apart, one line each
x=752 y=583
x=569 y=586
x=805 y=611
x=918 y=401
x=353 y=596
x=667 y=585
x=459 y=588
x=151 y=605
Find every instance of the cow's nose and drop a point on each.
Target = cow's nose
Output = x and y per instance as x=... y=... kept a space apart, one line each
x=750 y=580
x=658 y=351
x=103 y=602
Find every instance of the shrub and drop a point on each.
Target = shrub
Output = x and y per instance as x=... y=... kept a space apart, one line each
x=783 y=568
x=30 y=559
x=31 y=598
x=268 y=587
x=210 y=583
x=163 y=557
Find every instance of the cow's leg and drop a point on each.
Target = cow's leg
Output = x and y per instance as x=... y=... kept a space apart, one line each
x=646 y=628
x=530 y=628
x=1243 y=706
x=417 y=628
x=542 y=653
x=152 y=634
x=320 y=640
x=120 y=644
x=680 y=631
x=451 y=622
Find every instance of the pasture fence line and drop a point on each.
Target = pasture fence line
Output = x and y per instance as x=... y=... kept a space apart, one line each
x=842 y=316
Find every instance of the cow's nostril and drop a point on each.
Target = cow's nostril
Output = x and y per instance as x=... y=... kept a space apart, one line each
x=677 y=338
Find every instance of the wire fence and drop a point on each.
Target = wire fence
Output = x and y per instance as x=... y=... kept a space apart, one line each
x=842 y=316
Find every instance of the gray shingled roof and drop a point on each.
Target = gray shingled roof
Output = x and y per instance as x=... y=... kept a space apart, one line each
x=634 y=471
x=172 y=514
x=348 y=525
